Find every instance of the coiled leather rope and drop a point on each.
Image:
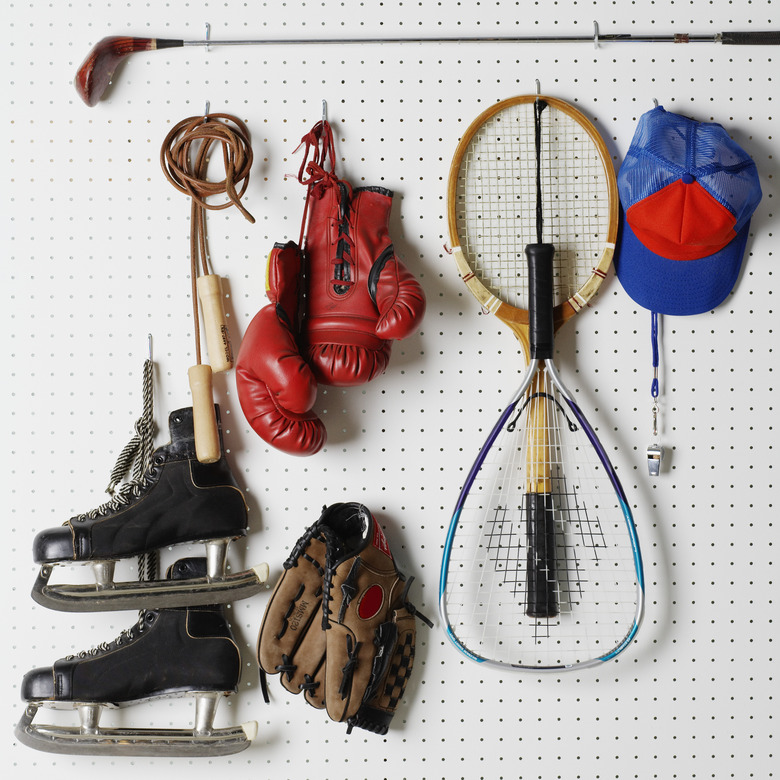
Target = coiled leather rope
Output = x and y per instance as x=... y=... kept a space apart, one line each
x=184 y=157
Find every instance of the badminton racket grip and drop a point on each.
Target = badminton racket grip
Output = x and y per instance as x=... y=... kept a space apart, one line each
x=204 y=416
x=540 y=530
x=540 y=299
x=215 y=323
x=757 y=38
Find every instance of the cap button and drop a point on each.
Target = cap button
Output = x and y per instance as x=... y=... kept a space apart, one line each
x=687 y=178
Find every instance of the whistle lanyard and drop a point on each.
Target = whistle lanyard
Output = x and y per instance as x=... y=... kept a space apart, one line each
x=655 y=452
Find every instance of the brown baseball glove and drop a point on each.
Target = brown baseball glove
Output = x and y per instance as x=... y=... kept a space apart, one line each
x=339 y=626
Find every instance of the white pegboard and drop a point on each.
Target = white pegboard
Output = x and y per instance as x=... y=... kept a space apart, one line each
x=95 y=248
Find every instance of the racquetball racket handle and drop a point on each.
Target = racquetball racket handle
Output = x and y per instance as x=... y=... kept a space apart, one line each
x=759 y=38
x=541 y=326
x=540 y=531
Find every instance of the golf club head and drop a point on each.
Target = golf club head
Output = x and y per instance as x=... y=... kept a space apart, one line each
x=97 y=70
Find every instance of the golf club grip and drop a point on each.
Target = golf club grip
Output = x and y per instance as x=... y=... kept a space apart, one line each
x=540 y=531
x=204 y=416
x=760 y=38
x=540 y=299
x=215 y=323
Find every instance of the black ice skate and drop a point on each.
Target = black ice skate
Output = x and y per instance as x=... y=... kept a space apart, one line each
x=185 y=651
x=176 y=500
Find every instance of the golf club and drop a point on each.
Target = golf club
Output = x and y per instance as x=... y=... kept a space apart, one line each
x=97 y=70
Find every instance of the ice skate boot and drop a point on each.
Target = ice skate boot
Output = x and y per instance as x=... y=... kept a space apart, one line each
x=184 y=651
x=176 y=500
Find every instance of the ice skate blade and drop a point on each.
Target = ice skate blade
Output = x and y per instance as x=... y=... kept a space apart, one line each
x=149 y=594
x=130 y=742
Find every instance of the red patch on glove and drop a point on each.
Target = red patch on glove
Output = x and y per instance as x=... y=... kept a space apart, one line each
x=371 y=602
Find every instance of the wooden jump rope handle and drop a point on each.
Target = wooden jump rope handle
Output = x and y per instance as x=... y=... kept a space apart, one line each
x=215 y=322
x=204 y=418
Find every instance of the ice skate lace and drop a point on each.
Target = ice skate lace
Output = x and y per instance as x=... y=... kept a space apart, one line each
x=136 y=455
x=128 y=635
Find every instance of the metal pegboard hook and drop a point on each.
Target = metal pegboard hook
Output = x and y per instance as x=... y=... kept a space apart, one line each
x=208 y=37
x=595 y=34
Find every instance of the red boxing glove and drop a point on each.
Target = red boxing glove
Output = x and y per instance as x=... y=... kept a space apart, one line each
x=276 y=388
x=361 y=297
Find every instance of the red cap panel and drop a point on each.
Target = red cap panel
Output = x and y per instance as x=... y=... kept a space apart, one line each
x=682 y=221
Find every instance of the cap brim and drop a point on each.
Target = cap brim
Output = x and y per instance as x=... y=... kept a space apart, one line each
x=677 y=286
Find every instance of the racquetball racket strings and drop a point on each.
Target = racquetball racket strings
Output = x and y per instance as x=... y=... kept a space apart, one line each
x=541 y=567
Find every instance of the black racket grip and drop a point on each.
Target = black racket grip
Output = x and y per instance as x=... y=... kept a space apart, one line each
x=540 y=299
x=760 y=38
x=540 y=534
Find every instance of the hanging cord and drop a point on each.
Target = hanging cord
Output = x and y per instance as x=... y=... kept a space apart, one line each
x=134 y=461
x=318 y=167
x=320 y=145
x=655 y=452
x=539 y=106
x=317 y=173
x=136 y=455
x=189 y=176
x=654 y=388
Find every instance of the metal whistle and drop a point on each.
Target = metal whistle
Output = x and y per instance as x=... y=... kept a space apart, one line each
x=655 y=454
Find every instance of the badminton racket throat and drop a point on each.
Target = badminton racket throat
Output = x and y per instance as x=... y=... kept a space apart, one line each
x=539 y=424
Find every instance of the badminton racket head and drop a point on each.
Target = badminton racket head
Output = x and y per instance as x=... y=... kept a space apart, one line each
x=491 y=203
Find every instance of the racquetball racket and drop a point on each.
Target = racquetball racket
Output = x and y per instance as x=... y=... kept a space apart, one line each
x=541 y=567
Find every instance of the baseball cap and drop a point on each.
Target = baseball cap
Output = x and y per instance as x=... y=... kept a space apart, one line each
x=687 y=193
